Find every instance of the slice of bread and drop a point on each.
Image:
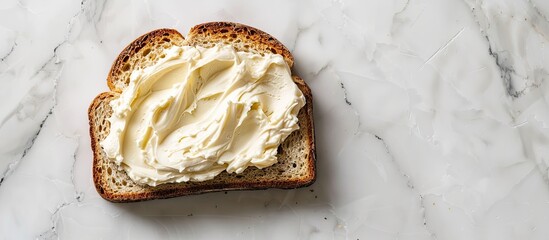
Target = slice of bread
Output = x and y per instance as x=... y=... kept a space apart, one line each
x=296 y=155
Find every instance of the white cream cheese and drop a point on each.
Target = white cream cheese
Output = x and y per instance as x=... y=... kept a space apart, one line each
x=200 y=111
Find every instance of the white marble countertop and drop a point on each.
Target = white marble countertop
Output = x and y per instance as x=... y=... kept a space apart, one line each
x=431 y=120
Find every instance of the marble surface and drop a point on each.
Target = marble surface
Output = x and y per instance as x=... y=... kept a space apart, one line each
x=431 y=120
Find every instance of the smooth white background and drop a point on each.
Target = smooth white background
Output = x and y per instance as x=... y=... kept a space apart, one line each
x=431 y=120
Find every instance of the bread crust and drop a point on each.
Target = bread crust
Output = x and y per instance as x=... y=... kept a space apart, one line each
x=114 y=79
x=98 y=110
x=242 y=37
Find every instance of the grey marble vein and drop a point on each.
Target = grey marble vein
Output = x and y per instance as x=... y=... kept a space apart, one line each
x=3 y=58
x=506 y=71
x=54 y=57
x=51 y=233
x=537 y=10
x=424 y=216
x=13 y=165
x=319 y=71
x=78 y=195
x=409 y=184
x=504 y=58
x=298 y=34
x=345 y=94
x=59 y=66
x=348 y=101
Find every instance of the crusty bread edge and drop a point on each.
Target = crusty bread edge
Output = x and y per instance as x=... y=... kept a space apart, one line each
x=171 y=190
x=95 y=144
x=132 y=48
x=225 y=31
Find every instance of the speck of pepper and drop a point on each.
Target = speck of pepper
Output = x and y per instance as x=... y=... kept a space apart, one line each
x=190 y=215
x=325 y=218
x=316 y=196
x=311 y=190
x=225 y=192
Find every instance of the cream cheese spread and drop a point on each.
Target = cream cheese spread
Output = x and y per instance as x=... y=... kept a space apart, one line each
x=200 y=111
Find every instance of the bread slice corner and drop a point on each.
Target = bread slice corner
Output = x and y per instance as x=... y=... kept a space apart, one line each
x=296 y=165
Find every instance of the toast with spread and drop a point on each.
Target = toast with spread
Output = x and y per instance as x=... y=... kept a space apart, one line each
x=295 y=166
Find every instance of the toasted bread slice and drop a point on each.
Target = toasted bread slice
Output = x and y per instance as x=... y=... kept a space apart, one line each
x=296 y=155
